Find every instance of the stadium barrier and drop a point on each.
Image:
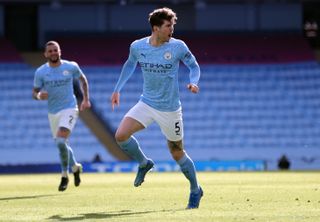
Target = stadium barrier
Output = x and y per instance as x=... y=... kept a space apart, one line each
x=160 y=166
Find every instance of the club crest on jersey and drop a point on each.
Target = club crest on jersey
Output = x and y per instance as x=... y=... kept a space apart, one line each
x=167 y=56
x=65 y=72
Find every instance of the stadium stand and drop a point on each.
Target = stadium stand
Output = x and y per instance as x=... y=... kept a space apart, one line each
x=9 y=56
x=243 y=112
x=102 y=50
x=255 y=103
x=259 y=48
x=24 y=128
x=8 y=53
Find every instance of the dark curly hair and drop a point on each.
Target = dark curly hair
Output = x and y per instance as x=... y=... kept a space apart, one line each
x=158 y=16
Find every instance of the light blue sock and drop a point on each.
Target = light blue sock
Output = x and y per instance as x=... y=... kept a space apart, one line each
x=188 y=169
x=63 y=153
x=72 y=159
x=132 y=148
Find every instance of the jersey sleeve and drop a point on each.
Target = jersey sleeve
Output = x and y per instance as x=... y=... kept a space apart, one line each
x=127 y=69
x=37 y=81
x=77 y=72
x=190 y=61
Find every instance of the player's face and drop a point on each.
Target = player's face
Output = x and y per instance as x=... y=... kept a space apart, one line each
x=166 y=30
x=53 y=53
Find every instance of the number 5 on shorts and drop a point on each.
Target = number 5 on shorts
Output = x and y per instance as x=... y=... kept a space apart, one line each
x=177 y=128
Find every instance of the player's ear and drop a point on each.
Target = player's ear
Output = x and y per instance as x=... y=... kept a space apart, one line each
x=156 y=28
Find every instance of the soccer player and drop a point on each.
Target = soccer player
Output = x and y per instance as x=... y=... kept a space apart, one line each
x=158 y=56
x=53 y=81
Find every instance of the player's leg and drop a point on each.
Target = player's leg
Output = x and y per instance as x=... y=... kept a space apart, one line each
x=188 y=169
x=54 y=125
x=61 y=142
x=67 y=159
x=136 y=119
x=75 y=167
x=186 y=164
x=129 y=143
x=171 y=125
x=68 y=120
x=61 y=125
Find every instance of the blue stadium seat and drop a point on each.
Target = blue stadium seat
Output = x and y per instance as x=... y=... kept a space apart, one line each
x=24 y=127
x=242 y=112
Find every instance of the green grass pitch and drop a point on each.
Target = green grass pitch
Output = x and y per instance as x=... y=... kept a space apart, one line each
x=228 y=196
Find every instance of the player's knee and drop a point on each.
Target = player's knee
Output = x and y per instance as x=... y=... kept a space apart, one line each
x=61 y=143
x=177 y=154
x=121 y=137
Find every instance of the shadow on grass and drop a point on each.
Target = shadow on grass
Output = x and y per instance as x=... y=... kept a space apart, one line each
x=121 y=213
x=27 y=197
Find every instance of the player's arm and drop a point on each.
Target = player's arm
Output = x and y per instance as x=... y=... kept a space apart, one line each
x=37 y=94
x=84 y=87
x=194 y=77
x=115 y=99
x=85 y=92
x=126 y=72
x=190 y=61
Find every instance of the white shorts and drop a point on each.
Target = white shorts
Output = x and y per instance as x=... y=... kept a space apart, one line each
x=170 y=123
x=66 y=118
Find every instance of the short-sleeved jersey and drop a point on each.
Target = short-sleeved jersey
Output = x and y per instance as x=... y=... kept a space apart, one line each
x=58 y=82
x=160 y=67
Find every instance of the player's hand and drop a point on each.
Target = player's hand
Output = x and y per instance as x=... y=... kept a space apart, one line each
x=193 y=88
x=43 y=95
x=85 y=104
x=115 y=100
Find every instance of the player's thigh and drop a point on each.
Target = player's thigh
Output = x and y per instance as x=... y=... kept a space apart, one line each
x=67 y=121
x=127 y=127
x=171 y=124
x=54 y=123
x=142 y=113
x=137 y=118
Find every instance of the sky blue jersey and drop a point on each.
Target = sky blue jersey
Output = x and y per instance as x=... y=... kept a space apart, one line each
x=58 y=82
x=159 y=67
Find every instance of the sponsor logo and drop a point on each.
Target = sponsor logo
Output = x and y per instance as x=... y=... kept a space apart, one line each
x=57 y=83
x=155 y=67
